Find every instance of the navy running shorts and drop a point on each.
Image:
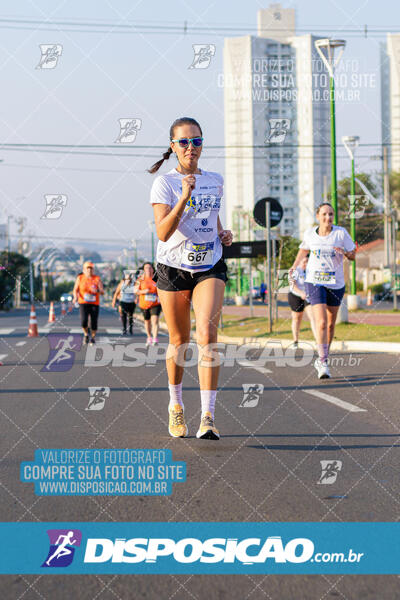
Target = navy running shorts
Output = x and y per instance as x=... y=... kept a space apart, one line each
x=320 y=294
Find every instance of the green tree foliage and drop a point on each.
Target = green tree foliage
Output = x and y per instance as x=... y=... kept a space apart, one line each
x=395 y=194
x=290 y=247
x=11 y=265
x=65 y=287
x=369 y=226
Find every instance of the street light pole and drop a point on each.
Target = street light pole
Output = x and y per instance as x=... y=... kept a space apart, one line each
x=239 y=271
x=350 y=143
x=150 y=224
x=250 y=269
x=330 y=63
x=394 y=237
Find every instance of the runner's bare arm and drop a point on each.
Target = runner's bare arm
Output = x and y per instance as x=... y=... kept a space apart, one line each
x=166 y=218
x=75 y=291
x=302 y=253
x=349 y=255
x=101 y=288
x=225 y=235
x=116 y=294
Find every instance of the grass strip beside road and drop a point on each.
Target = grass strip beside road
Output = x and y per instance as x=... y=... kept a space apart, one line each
x=258 y=327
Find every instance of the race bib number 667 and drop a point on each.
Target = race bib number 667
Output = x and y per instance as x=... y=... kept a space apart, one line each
x=197 y=256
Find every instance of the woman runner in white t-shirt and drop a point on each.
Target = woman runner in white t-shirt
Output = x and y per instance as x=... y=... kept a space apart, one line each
x=190 y=268
x=324 y=283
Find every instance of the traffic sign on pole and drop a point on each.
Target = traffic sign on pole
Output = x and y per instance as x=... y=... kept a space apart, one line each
x=276 y=212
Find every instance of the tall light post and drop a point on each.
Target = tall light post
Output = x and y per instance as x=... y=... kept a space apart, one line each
x=151 y=224
x=326 y=49
x=350 y=143
x=238 y=212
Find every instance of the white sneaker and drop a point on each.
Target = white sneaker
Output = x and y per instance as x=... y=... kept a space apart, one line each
x=322 y=369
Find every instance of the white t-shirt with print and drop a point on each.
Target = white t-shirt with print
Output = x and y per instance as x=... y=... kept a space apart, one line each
x=194 y=246
x=298 y=278
x=325 y=266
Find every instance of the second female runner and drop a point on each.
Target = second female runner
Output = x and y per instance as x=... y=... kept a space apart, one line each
x=324 y=282
x=190 y=267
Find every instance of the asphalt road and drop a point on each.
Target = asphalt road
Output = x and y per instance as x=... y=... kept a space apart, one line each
x=266 y=467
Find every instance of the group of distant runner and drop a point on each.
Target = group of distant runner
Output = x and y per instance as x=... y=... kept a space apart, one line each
x=191 y=273
x=134 y=288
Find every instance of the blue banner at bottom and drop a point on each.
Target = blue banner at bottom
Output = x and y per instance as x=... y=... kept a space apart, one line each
x=200 y=548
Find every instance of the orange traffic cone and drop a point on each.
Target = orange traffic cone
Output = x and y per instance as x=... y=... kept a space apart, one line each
x=33 y=328
x=70 y=306
x=63 y=311
x=369 y=298
x=52 y=316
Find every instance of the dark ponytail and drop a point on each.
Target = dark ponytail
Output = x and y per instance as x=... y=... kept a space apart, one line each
x=182 y=121
x=154 y=168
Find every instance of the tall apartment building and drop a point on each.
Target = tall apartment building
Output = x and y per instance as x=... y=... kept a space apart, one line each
x=276 y=103
x=390 y=98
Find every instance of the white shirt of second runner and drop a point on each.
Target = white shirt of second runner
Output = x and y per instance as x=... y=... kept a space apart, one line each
x=297 y=278
x=194 y=246
x=325 y=266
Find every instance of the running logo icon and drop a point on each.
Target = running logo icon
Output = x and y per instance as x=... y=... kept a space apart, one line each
x=203 y=54
x=62 y=547
x=55 y=203
x=128 y=130
x=360 y=204
x=330 y=471
x=97 y=397
x=62 y=351
x=50 y=55
x=251 y=394
x=278 y=131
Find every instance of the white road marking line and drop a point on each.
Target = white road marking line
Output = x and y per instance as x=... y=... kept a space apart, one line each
x=6 y=331
x=262 y=370
x=113 y=330
x=337 y=401
x=20 y=343
x=76 y=330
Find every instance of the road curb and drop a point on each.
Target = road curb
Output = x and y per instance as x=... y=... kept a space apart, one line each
x=338 y=346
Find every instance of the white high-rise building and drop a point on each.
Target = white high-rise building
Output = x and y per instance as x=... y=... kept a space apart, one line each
x=276 y=101
x=390 y=98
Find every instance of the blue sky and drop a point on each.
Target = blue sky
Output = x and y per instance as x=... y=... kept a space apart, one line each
x=102 y=77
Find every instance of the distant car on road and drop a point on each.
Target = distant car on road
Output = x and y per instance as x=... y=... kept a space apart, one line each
x=66 y=298
x=385 y=294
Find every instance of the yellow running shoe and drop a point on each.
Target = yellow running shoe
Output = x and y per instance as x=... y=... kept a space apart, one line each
x=177 y=426
x=207 y=429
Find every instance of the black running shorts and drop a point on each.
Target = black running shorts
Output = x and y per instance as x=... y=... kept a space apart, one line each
x=170 y=279
x=296 y=303
x=128 y=307
x=89 y=311
x=149 y=312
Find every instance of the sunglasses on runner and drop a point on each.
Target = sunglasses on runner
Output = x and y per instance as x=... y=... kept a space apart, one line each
x=184 y=142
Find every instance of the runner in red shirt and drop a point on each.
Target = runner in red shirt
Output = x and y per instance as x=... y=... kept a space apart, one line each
x=146 y=290
x=87 y=291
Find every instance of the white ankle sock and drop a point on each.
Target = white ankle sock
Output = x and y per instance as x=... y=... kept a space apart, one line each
x=208 y=401
x=175 y=395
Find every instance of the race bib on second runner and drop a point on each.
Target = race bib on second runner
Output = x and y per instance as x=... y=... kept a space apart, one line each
x=89 y=297
x=150 y=297
x=324 y=277
x=197 y=256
